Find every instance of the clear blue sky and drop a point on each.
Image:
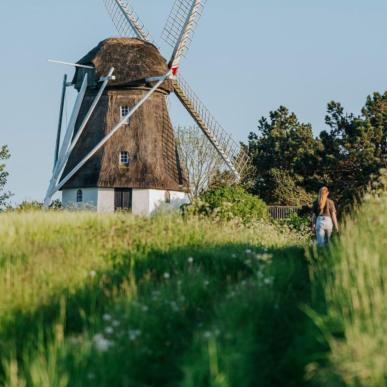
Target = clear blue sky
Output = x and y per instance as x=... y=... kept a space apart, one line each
x=247 y=58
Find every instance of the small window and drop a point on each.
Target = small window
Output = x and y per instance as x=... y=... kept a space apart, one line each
x=124 y=158
x=79 y=196
x=124 y=111
x=167 y=197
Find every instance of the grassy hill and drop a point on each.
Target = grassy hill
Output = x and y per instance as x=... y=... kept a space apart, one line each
x=99 y=300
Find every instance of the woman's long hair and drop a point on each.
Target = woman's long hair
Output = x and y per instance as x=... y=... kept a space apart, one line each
x=322 y=198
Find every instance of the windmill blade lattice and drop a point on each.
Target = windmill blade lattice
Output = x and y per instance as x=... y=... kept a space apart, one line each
x=125 y=20
x=181 y=24
x=230 y=151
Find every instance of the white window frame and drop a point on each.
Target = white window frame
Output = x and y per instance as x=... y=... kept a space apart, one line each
x=124 y=111
x=124 y=158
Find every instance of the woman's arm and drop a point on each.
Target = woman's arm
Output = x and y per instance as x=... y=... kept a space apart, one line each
x=334 y=216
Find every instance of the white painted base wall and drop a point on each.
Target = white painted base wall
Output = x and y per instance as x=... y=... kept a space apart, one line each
x=145 y=202
x=150 y=201
x=90 y=199
x=105 y=201
x=94 y=199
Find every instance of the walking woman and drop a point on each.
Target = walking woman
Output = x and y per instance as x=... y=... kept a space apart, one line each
x=324 y=217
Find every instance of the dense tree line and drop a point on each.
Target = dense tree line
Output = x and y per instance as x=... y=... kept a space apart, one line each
x=289 y=164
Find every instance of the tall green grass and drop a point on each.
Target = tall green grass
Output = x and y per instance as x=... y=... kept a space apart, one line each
x=351 y=276
x=114 y=300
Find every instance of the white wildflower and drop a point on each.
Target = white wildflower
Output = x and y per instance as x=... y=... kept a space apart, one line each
x=106 y=317
x=248 y=251
x=145 y=308
x=264 y=257
x=190 y=260
x=116 y=323
x=92 y=274
x=167 y=276
x=109 y=330
x=101 y=343
x=134 y=334
x=207 y=335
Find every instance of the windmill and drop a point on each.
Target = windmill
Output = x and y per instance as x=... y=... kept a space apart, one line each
x=119 y=149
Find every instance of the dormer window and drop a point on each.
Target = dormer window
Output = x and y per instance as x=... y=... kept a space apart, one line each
x=124 y=158
x=124 y=111
x=79 y=196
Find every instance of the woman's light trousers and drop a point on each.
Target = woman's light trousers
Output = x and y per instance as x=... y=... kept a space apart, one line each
x=324 y=228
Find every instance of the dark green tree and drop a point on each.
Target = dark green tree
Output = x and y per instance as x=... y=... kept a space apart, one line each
x=354 y=151
x=4 y=196
x=284 y=156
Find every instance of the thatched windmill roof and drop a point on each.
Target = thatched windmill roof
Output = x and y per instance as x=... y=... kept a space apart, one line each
x=134 y=60
x=148 y=138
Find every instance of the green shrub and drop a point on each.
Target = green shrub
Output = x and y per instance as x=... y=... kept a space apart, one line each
x=299 y=223
x=27 y=206
x=227 y=203
x=34 y=205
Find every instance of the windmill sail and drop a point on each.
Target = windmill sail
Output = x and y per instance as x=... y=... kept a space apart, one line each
x=125 y=20
x=180 y=27
x=66 y=141
x=231 y=152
